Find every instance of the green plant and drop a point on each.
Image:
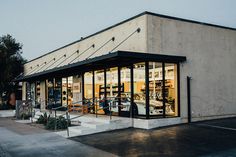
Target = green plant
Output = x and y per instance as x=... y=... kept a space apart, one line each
x=60 y=122
x=43 y=119
x=25 y=116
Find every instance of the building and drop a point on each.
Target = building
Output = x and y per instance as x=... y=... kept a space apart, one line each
x=142 y=67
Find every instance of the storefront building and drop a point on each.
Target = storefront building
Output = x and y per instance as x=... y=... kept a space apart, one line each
x=139 y=68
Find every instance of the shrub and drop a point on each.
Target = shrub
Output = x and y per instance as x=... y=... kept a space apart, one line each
x=25 y=116
x=43 y=119
x=60 y=121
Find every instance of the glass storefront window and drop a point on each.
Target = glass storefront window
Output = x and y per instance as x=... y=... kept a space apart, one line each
x=64 y=91
x=100 y=92
x=57 y=91
x=112 y=89
x=88 y=85
x=69 y=90
x=155 y=89
x=50 y=92
x=125 y=89
x=88 y=91
x=32 y=93
x=139 y=89
x=28 y=93
x=171 y=89
x=37 y=95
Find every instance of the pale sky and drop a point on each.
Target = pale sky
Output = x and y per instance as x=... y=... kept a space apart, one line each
x=44 y=25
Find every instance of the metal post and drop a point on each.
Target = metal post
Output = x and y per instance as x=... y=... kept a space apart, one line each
x=189 y=99
x=55 y=120
x=163 y=90
x=119 y=92
x=132 y=92
x=110 y=110
x=96 y=111
x=147 y=89
x=67 y=117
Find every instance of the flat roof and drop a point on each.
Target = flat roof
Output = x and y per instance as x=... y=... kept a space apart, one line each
x=118 y=58
x=136 y=16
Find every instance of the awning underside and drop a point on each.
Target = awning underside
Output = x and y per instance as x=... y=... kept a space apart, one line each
x=119 y=58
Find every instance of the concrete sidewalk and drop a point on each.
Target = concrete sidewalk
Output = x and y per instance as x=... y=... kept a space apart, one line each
x=15 y=143
x=7 y=113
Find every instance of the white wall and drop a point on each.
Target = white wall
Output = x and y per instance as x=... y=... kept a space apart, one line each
x=211 y=62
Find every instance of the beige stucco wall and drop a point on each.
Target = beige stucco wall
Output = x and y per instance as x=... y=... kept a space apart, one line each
x=211 y=62
x=137 y=42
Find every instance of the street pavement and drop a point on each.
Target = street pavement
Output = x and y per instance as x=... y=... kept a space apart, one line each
x=215 y=138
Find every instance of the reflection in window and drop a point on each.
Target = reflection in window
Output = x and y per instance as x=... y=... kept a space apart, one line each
x=139 y=89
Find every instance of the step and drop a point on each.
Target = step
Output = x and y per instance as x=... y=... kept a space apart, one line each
x=95 y=125
x=92 y=127
x=77 y=131
x=98 y=119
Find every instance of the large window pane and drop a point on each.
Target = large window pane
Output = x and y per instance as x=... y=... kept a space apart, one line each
x=88 y=85
x=64 y=91
x=77 y=91
x=112 y=89
x=171 y=89
x=37 y=95
x=155 y=89
x=100 y=92
x=57 y=91
x=32 y=93
x=88 y=90
x=139 y=89
x=125 y=81
x=70 y=90
x=50 y=92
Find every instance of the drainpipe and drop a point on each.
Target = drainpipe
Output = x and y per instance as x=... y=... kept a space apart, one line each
x=189 y=99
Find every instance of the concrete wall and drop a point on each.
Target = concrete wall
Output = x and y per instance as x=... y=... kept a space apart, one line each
x=137 y=42
x=211 y=62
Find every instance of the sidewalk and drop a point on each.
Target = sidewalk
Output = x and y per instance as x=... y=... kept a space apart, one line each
x=7 y=113
x=22 y=140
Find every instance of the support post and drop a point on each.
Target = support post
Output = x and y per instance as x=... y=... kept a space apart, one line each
x=67 y=117
x=163 y=90
x=147 y=89
x=189 y=99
